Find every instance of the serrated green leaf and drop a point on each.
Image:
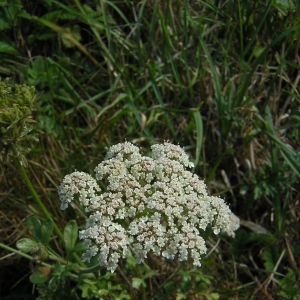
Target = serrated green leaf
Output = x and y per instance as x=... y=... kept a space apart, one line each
x=270 y=256
x=287 y=284
x=26 y=244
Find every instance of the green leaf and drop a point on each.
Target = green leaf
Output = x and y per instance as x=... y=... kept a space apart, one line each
x=283 y=6
x=30 y=38
x=46 y=231
x=47 y=2
x=287 y=153
x=40 y=275
x=46 y=36
x=85 y=290
x=209 y=296
x=199 y=130
x=109 y=106
x=53 y=16
x=33 y=225
x=41 y=232
x=7 y=42
x=65 y=62
x=287 y=284
x=70 y=235
x=131 y=261
x=39 y=65
x=4 y=21
x=90 y=12
x=24 y=14
x=79 y=247
x=71 y=31
x=26 y=244
x=14 y=7
x=53 y=283
x=270 y=256
x=258 y=50
x=6 y=48
x=136 y=282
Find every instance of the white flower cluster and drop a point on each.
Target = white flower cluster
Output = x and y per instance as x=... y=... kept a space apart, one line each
x=151 y=204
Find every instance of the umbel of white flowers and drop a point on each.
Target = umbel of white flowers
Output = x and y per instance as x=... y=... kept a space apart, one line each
x=151 y=204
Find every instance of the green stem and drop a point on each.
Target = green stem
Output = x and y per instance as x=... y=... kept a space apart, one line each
x=37 y=198
x=241 y=27
x=41 y=205
x=52 y=257
x=91 y=269
x=23 y=254
x=31 y=258
x=168 y=279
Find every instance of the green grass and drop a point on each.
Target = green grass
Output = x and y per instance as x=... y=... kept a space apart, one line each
x=219 y=78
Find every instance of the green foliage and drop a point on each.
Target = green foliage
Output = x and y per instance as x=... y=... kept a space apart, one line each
x=26 y=244
x=270 y=257
x=16 y=107
x=40 y=231
x=102 y=288
x=70 y=236
x=52 y=282
x=286 y=282
x=288 y=285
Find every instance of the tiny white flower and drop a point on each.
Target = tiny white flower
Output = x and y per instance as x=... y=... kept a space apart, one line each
x=161 y=204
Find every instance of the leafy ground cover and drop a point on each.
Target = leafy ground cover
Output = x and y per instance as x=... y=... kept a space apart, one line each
x=220 y=78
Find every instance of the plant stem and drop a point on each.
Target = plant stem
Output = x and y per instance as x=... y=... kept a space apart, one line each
x=41 y=205
x=22 y=254
x=37 y=198
x=31 y=258
x=168 y=279
x=91 y=269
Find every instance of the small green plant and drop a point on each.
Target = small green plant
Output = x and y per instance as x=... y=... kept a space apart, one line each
x=16 y=123
x=283 y=279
